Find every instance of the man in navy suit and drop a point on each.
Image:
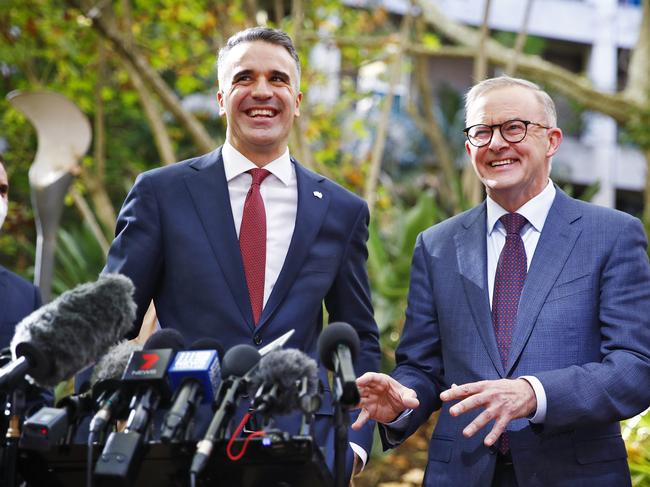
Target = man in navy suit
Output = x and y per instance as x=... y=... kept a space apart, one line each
x=18 y=298
x=180 y=230
x=534 y=339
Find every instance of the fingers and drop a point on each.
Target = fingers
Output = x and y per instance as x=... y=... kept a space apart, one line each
x=461 y=392
x=502 y=401
x=361 y=419
x=409 y=398
x=371 y=379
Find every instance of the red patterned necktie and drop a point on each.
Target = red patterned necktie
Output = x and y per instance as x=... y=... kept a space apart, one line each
x=508 y=283
x=252 y=242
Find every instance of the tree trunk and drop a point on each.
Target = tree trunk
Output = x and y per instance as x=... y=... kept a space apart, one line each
x=520 y=42
x=638 y=79
x=104 y=23
x=577 y=87
x=394 y=73
x=427 y=122
x=94 y=179
x=151 y=110
x=480 y=60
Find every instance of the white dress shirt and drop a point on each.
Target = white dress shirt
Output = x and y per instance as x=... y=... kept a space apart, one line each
x=280 y=194
x=535 y=210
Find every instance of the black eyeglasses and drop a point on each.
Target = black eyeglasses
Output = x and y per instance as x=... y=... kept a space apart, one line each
x=512 y=131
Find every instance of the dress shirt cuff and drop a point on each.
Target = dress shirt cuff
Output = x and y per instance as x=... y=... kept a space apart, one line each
x=540 y=414
x=395 y=429
x=361 y=453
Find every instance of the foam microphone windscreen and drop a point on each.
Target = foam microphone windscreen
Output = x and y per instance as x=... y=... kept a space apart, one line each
x=285 y=368
x=331 y=337
x=112 y=364
x=77 y=327
x=165 y=338
x=239 y=360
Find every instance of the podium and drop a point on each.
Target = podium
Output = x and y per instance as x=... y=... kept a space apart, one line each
x=296 y=462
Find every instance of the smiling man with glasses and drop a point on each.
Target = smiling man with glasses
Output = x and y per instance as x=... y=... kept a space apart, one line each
x=528 y=319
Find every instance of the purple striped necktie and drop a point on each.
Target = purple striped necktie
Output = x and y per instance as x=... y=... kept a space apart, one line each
x=508 y=283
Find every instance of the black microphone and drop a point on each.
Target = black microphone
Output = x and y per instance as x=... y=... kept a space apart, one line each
x=194 y=375
x=146 y=375
x=107 y=389
x=338 y=347
x=237 y=363
x=59 y=339
x=284 y=381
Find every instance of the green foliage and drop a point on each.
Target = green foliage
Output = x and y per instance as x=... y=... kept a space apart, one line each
x=636 y=433
x=79 y=258
x=534 y=45
x=392 y=236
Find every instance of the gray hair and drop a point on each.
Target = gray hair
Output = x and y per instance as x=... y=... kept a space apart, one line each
x=506 y=81
x=253 y=34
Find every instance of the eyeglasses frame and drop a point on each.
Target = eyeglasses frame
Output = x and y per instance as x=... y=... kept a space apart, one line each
x=492 y=127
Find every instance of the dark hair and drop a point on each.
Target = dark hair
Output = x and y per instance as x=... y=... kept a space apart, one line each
x=264 y=34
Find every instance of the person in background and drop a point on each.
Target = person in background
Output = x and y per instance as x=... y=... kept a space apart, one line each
x=18 y=298
x=528 y=319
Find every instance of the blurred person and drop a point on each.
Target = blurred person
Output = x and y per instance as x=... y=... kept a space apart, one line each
x=244 y=244
x=527 y=321
x=18 y=298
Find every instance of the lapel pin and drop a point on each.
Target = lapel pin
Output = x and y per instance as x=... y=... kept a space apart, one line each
x=318 y=195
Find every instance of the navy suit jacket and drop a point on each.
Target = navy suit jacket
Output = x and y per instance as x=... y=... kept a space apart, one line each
x=18 y=298
x=583 y=329
x=176 y=240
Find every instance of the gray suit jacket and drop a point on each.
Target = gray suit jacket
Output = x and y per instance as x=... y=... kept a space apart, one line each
x=583 y=329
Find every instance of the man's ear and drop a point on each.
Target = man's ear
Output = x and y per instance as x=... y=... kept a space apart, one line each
x=221 y=101
x=468 y=149
x=296 y=111
x=554 y=140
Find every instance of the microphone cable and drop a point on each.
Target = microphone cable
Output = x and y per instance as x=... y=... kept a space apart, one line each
x=234 y=436
x=234 y=457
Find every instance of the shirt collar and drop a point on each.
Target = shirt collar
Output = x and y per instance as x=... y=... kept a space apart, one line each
x=235 y=163
x=535 y=210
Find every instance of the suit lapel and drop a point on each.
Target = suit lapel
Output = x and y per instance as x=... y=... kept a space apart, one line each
x=209 y=190
x=555 y=244
x=471 y=251
x=309 y=217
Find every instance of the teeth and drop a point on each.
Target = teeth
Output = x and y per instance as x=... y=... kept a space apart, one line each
x=504 y=162
x=263 y=113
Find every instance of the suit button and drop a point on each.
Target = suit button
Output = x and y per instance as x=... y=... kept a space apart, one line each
x=257 y=339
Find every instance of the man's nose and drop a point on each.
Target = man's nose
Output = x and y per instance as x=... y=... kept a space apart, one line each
x=497 y=142
x=262 y=88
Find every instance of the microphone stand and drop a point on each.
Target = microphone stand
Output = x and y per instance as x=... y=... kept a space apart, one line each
x=10 y=454
x=341 y=423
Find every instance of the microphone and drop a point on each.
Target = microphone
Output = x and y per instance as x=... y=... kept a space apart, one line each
x=338 y=347
x=145 y=373
x=194 y=376
x=238 y=363
x=284 y=381
x=107 y=390
x=49 y=426
x=59 y=339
